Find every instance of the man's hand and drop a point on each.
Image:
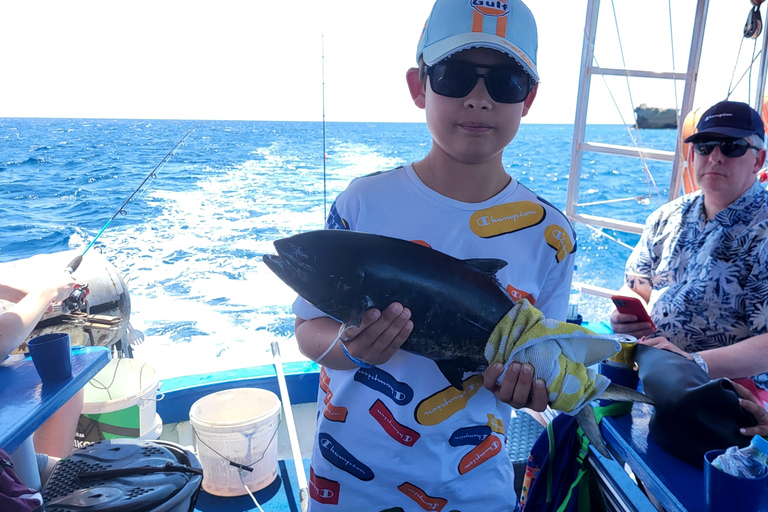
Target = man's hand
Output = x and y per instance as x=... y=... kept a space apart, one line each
x=751 y=405
x=625 y=323
x=664 y=344
x=518 y=388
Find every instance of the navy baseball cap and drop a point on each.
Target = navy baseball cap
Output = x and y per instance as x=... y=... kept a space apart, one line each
x=728 y=119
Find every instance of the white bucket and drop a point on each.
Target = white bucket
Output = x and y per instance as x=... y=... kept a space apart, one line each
x=241 y=425
x=120 y=402
x=157 y=430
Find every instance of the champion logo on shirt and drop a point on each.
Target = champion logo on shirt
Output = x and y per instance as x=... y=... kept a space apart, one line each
x=447 y=402
x=421 y=498
x=396 y=431
x=558 y=238
x=331 y=412
x=472 y=436
x=384 y=383
x=488 y=448
x=323 y=490
x=337 y=455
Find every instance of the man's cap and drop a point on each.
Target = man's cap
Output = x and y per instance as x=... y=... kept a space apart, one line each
x=504 y=25
x=728 y=119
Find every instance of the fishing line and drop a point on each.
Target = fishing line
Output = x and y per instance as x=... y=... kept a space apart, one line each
x=120 y=211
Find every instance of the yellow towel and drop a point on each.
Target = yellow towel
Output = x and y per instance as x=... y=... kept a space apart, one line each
x=559 y=352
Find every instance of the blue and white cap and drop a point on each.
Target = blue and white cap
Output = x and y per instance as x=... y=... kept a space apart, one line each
x=504 y=25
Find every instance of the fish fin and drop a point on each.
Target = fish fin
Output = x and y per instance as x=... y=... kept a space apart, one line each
x=452 y=373
x=356 y=315
x=487 y=265
x=586 y=420
x=619 y=393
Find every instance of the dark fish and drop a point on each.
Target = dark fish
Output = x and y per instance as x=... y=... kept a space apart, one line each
x=455 y=304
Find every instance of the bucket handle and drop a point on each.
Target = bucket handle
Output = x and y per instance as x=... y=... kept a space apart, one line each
x=162 y=395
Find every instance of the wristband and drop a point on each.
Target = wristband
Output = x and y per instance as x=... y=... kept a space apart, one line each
x=358 y=362
x=700 y=361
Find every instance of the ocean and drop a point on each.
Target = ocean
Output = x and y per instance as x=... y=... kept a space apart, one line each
x=190 y=243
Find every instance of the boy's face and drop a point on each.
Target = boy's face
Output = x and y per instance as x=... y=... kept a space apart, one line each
x=474 y=128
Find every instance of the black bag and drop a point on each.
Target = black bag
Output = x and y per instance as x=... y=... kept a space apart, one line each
x=692 y=414
x=14 y=495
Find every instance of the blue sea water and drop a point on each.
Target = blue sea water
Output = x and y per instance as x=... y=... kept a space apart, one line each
x=191 y=242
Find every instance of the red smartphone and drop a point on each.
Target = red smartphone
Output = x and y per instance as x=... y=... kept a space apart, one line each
x=633 y=306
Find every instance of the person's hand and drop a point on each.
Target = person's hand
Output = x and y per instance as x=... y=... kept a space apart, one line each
x=663 y=343
x=380 y=335
x=518 y=388
x=626 y=323
x=749 y=403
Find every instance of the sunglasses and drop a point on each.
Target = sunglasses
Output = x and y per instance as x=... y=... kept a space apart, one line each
x=455 y=79
x=729 y=148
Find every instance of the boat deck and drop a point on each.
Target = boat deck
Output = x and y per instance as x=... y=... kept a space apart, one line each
x=282 y=495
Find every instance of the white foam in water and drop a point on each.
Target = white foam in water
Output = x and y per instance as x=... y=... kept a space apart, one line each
x=199 y=289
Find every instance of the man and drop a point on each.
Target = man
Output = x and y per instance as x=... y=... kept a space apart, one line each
x=701 y=264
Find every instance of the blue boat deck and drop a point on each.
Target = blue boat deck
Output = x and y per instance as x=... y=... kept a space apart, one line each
x=282 y=495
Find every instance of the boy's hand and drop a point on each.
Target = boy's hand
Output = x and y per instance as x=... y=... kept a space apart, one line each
x=380 y=335
x=626 y=323
x=518 y=388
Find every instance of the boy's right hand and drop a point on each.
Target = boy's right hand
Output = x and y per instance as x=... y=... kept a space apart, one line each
x=380 y=335
x=626 y=323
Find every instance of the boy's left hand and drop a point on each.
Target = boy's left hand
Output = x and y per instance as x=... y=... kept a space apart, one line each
x=518 y=388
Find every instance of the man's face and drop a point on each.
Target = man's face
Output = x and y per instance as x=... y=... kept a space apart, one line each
x=722 y=177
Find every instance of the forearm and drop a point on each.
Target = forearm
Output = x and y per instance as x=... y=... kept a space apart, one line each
x=18 y=322
x=316 y=336
x=743 y=359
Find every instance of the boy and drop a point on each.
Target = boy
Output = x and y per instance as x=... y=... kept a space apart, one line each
x=392 y=434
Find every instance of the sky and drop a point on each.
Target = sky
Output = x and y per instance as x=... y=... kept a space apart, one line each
x=293 y=60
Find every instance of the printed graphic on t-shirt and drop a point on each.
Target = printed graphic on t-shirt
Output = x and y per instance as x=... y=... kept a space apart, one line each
x=337 y=455
x=391 y=426
x=421 y=498
x=381 y=381
x=470 y=436
x=558 y=238
x=517 y=294
x=490 y=446
x=334 y=220
x=323 y=490
x=447 y=402
x=331 y=411
x=506 y=218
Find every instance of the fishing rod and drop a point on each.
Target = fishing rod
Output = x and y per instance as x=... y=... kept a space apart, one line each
x=325 y=156
x=77 y=298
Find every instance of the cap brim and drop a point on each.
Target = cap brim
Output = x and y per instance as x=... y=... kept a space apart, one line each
x=443 y=49
x=735 y=133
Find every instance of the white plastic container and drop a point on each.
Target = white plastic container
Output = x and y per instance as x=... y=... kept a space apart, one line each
x=120 y=402
x=238 y=425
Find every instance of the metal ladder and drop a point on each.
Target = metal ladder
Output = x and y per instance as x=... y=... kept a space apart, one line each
x=580 y=145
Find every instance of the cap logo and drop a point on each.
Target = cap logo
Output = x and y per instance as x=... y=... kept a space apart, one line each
x=495 y=8
x=724 y=114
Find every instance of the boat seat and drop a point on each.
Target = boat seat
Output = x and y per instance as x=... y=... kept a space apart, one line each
x=523 y=431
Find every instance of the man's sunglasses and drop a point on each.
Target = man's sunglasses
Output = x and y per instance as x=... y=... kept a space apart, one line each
x=455 y=79
x=730 y=148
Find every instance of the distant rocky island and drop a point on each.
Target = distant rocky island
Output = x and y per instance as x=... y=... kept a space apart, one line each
x=656 y=118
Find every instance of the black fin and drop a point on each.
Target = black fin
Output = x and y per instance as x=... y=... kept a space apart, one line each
x=452 y=373
x=356 y=315
x=488 y=266
x=619 y=393
x=586 y=420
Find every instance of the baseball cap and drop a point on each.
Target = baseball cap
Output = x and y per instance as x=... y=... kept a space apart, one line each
x=728 y=119
x=504 y=25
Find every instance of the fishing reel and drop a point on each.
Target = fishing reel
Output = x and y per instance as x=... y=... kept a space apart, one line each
x=77 y=300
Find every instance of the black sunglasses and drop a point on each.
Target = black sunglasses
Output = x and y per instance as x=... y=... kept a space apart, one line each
x=455 y=79
x=730 y=148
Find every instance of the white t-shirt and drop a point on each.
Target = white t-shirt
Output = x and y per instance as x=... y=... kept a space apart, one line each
x=399 y=436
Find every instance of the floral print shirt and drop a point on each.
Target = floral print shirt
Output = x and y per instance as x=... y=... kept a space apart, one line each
x=708 y=280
